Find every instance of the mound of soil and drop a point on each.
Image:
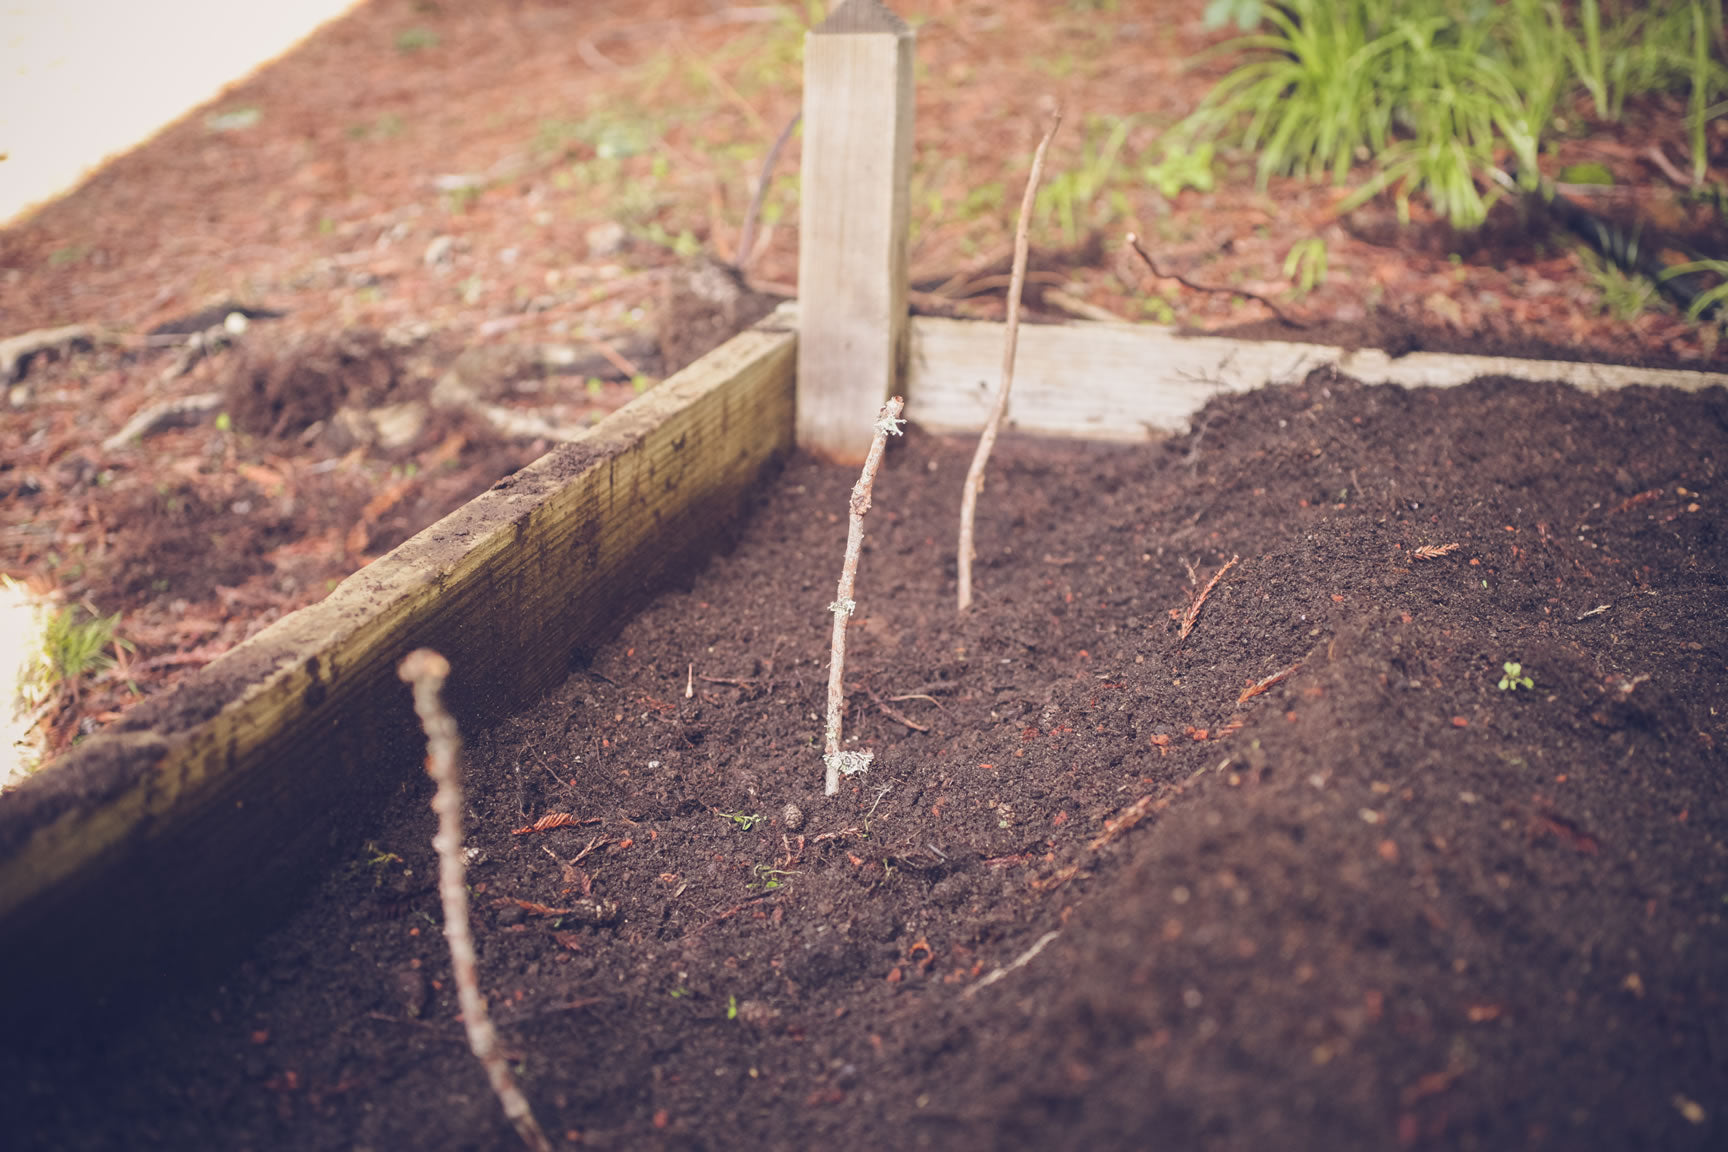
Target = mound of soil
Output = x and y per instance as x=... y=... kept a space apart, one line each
x=1224 y=821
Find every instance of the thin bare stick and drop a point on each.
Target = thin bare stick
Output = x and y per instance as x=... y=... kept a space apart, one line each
x=1194 y=608
x=747 y=240
x=1020 y=961
x=1146 y=259
x=617 y=359
x=894 y=713
x=987 y=441
x=837 y=761
x=1260 y=686
x=426 y=670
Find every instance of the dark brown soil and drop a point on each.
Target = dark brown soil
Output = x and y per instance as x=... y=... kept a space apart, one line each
x=1384 y=903
x=488 y=178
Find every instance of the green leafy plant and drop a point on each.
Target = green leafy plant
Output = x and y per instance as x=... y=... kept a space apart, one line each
x=1706 y=78
x=744 y=820
x=1183 y=166
x=1437 y=94
x=1514 y=677
x=1625 y=295
x=1711 y=297
x=1245 y=14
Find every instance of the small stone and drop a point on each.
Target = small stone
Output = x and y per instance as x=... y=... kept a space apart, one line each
x=411 y=992
x=594 y=911
x=439 y=251
x=793 y=817
x=758 y=1012
x=606 y=240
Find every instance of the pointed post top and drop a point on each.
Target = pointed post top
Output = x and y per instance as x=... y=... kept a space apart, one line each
x=854 y=16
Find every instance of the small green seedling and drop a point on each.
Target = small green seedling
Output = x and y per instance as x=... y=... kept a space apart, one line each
x=744 y=820
x=1514 y=678
x=731 y=1007
x=768 y=877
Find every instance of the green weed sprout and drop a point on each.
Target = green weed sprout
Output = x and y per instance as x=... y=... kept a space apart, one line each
x=1182 y=167
x=71 y=651
x=1514 y=677
x=1305 y=266
x=744 y=820
x=768 y=876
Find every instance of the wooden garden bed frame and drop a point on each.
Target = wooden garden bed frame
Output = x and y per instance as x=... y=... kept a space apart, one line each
x=168 y=842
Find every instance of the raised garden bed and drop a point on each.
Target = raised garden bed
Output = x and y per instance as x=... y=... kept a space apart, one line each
x=1384 y=902
x=1333 y=765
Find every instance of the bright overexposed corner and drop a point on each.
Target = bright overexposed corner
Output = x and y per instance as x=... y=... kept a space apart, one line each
x=21 y=616
x=84 y=80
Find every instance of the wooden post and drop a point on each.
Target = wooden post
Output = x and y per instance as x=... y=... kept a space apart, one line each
x=853 y=225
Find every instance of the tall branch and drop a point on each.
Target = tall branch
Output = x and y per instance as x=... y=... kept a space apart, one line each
x=834 y=758
x=426 y=670
x=1010 y=343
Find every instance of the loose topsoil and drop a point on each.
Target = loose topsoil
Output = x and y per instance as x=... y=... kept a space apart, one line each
x=1324 y=872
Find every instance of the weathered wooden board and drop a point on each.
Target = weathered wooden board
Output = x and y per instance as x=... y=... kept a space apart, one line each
x=853 y=224
x=1137 y=381
x=172 y=838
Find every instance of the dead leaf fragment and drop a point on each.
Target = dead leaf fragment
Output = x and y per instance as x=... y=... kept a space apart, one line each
x=546 y=823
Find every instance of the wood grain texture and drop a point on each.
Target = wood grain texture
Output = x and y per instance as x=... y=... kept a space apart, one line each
x=169 y=841
x=1136 y=382
x=857 y=164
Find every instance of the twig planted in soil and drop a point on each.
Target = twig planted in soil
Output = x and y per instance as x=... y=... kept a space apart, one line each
x=837 y=761
x=426 y=670
x=1194 y=608
x=987 y=440
x=1152 y=267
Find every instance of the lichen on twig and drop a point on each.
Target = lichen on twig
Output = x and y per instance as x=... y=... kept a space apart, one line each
x=426 y=670
x=837 y=761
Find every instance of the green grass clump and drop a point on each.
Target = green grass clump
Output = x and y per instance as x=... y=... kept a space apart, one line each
x=1444 y=96
x=74 y=649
